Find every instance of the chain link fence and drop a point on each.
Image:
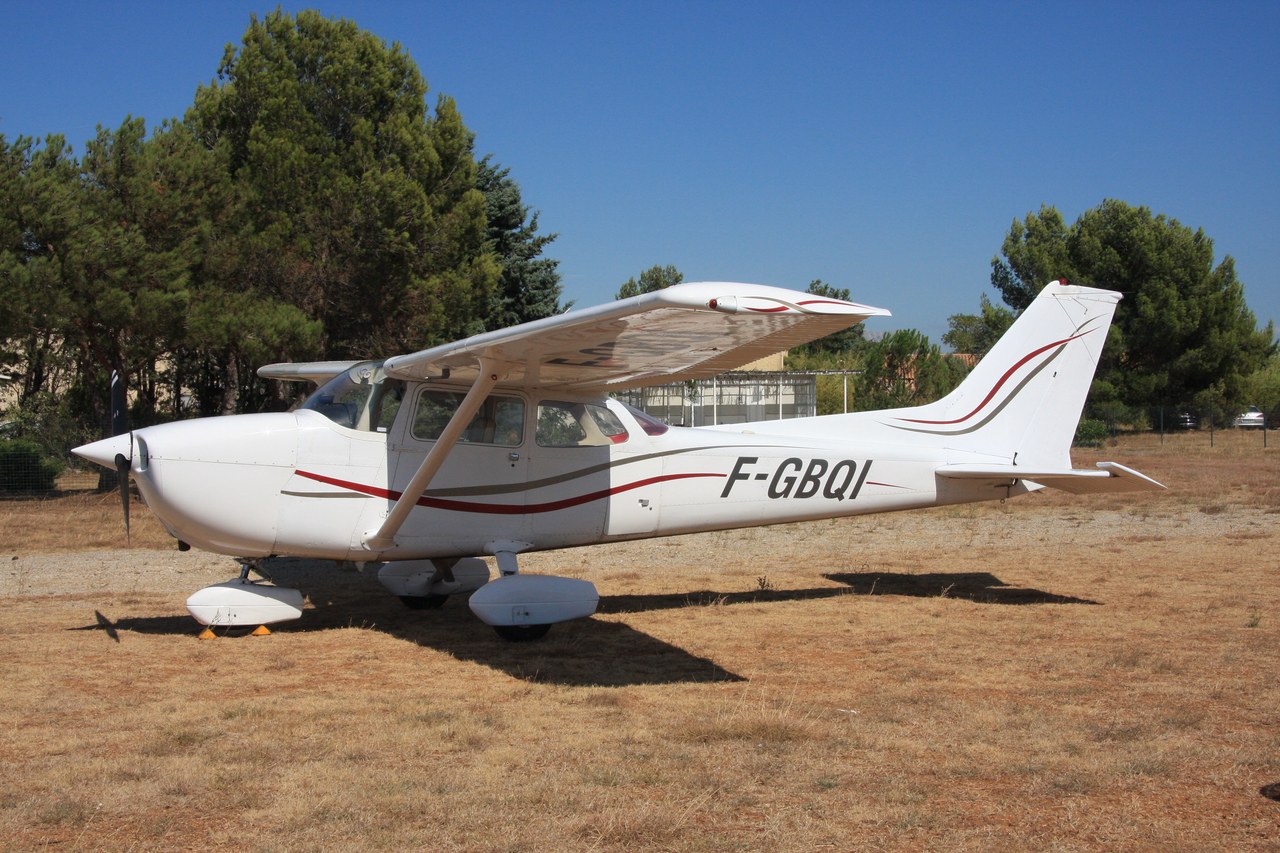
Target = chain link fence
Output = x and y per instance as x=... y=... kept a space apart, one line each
x=26 y=468
x=1194 y=420
x=734 y=398
x=29 y=469
x=1209 y=421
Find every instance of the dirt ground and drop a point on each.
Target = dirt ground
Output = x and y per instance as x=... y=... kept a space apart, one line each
x=1054 y=673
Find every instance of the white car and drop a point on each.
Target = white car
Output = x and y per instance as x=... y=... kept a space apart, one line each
x=1251 y=419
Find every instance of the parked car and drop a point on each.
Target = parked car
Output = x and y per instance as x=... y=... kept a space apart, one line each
x=1251 y=419
x=1185 y=420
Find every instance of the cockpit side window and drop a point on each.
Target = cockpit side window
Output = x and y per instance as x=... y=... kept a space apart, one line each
x=500 y=419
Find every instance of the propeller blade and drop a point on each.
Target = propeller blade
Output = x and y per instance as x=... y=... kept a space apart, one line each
x=119 y=405
x=119 y=426
x=122 y=477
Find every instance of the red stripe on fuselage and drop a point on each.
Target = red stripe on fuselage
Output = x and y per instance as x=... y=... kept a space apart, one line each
x=497 y=509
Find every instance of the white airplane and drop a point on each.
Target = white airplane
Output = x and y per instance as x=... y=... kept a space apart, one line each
x=508 y=442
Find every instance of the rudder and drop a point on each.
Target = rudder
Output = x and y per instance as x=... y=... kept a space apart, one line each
x=1022 y=402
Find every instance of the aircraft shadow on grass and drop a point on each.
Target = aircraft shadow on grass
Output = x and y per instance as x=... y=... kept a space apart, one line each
x=587 y=652
x=979 y=587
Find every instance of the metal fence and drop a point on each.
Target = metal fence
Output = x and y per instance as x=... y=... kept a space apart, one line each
x=35 y=473
x=25 y=467
x=1210 y=421
x=735 y=398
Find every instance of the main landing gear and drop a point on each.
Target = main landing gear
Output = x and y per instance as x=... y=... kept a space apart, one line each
x=518 y=607
x=427 y=584
x=524 y=607
x=522 y=633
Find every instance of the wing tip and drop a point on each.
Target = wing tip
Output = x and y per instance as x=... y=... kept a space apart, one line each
x=1122 y=471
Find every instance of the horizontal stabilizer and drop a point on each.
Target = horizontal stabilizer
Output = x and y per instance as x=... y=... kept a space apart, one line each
x=1110 y=477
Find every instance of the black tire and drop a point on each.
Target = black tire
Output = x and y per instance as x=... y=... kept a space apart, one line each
x=424 y=602
x=521 y=633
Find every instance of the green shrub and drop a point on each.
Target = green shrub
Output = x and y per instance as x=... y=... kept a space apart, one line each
x=1091 y=433
x=24 y=468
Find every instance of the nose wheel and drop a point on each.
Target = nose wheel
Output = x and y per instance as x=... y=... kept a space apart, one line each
x=243 y=603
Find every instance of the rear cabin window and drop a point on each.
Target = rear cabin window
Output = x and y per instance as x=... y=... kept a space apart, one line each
x=647 y=422
x=500 y=420
x=565 y=424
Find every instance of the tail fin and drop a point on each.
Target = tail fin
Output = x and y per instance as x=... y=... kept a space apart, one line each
x=1022 y=402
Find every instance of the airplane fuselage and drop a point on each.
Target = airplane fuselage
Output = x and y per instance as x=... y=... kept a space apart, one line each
x=507 y=442
x=301 y=484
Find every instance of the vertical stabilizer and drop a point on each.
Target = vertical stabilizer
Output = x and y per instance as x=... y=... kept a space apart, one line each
x=1022 y=402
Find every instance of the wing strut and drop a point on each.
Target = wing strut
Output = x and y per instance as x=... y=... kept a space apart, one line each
x=384 y=538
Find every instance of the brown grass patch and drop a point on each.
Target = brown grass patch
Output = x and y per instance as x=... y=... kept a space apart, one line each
x=1053 y=673
x=77 y=521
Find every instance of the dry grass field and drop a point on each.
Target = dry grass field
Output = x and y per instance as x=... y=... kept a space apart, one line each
x=1054 y=673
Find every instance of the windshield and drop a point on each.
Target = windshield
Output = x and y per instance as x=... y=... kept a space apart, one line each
x=360 y=398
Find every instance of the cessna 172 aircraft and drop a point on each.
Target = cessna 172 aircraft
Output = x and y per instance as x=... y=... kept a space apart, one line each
x=509 y=442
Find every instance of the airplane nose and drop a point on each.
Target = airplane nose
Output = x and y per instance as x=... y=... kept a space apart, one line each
x=104 y=452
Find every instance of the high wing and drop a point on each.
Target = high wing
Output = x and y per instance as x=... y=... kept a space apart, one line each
x=690 y=331
x=318 y=372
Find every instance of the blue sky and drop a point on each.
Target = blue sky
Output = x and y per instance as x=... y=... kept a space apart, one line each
x=883 y=147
